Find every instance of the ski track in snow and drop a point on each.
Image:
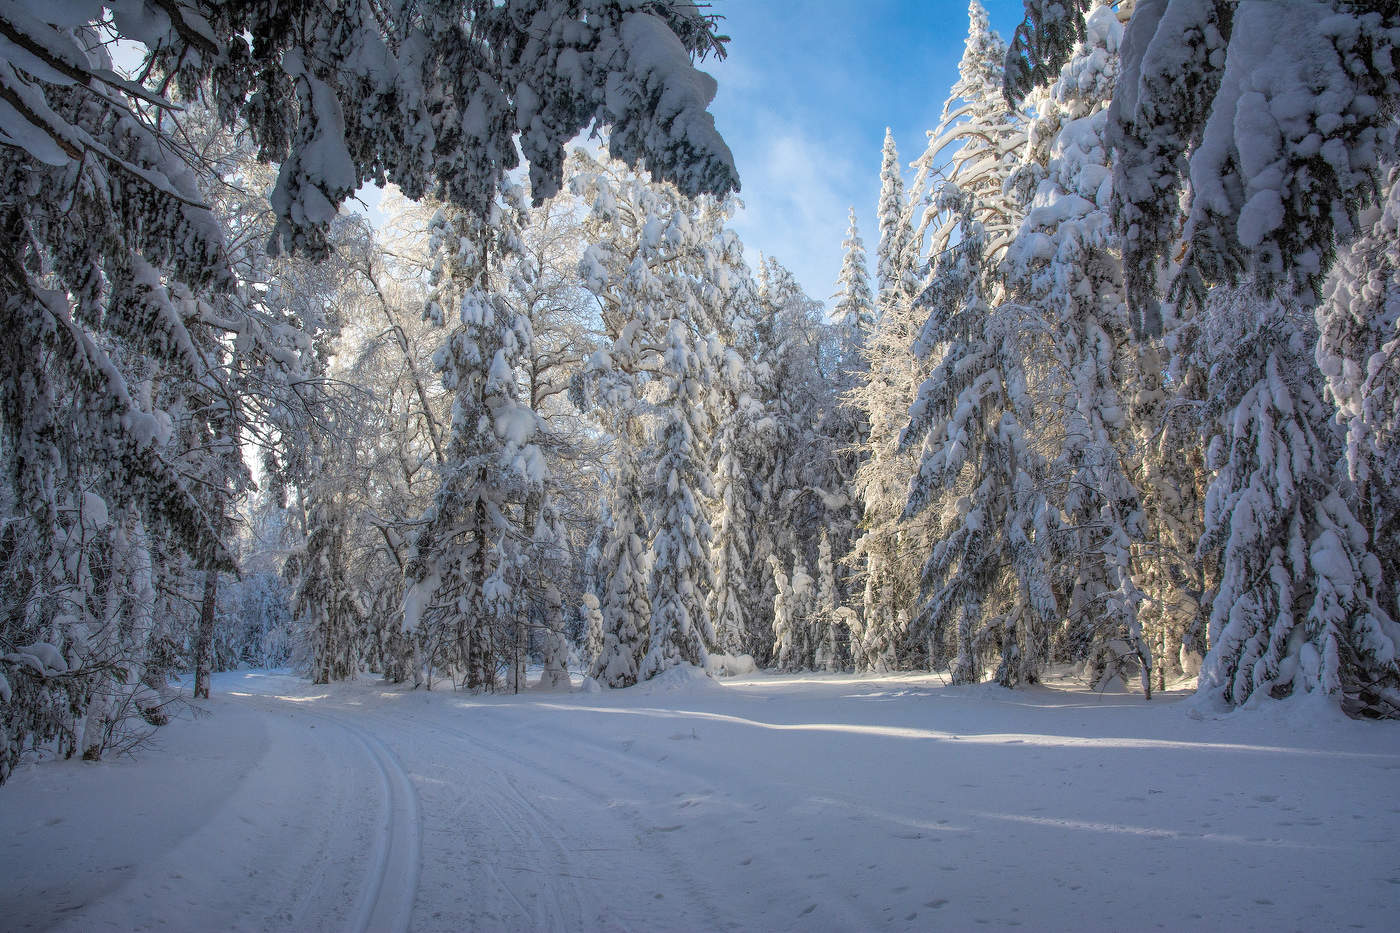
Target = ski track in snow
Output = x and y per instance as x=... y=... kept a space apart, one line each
x=385 y=902
x=774 y=803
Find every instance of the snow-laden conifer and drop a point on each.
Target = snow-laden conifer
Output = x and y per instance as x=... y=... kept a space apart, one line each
x=1296 y=610
x=1066 y=266
x=666 y=275
x=978 y=477
x=1275 y=113
x=854 y=315
x=1358 y=351
x=464 y=575
x=892 y=254
x=681 y=576
x=977 y=145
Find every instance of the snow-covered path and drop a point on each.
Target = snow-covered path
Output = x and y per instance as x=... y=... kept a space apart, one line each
x=766 y=803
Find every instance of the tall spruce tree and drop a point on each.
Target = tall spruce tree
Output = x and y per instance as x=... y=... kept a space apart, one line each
x=1066 y=265
x=463 y=575
x=1297 y=609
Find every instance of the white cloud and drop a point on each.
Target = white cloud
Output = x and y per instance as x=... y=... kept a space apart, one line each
x=796 y=193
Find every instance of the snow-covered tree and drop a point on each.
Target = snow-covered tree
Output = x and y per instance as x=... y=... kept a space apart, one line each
x=1279 y=157
x=1065 y=265
x=892 y=255
x=1358 y=352
x=465 y=573
x=977 y=146
x=625 y=611
x=884 y=554
x=986 y=579
x=1168 y=467
x=827 y=621
x=667 y=277
x=325 y=600
x=978 y=476
x=854 y=315
x=1297 y=609
x=786 y=651
x=681 y=576
x=736 y=508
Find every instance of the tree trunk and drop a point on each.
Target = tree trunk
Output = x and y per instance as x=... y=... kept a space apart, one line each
x=204 y=639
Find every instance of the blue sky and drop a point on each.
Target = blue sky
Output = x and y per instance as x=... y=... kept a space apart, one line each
x=804 y=99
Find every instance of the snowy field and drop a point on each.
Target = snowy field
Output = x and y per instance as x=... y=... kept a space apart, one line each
x=764 y=803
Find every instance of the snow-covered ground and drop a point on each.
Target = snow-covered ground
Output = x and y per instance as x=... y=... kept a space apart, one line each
x=765 y=803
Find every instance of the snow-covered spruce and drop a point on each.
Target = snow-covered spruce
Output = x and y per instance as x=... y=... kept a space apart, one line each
x=1281 y=157
x=986 y=580
x=1358 y=351
x=467 y=573
x=681 y=576
x=1065 y=265
x=1296 y=610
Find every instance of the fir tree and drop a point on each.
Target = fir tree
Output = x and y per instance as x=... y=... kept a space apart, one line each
x=626 y=609
x=976 y=146
x=464 y=578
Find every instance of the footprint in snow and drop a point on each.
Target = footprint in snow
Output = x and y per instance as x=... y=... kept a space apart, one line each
x=936 y=903
x=808 y=910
